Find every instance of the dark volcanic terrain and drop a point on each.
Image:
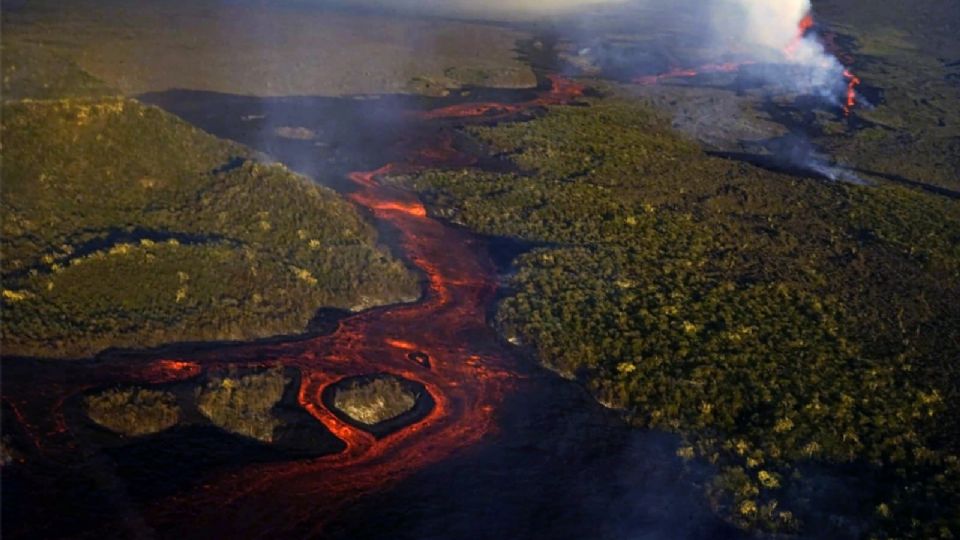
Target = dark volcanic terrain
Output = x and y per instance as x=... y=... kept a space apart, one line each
x=322 y=271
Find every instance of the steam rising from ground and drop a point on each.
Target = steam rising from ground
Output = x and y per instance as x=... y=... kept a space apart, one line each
x=778 y=32
x=770 y=25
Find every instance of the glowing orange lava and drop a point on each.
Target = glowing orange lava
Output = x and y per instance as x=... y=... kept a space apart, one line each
x=804 y=26
x=850 y=99
x=852 y=82
x=410 y=208
x=163 y=371
x=400 y=344
x=561 y=91
x=467 y=379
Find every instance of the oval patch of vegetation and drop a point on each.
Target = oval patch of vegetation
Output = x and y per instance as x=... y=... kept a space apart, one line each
x=379 y=403
x=243 y=404
x=133 y=411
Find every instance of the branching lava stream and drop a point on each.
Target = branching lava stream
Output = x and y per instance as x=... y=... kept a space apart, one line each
x=433 y=342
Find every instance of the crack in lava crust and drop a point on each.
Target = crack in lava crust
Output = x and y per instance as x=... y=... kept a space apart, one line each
x=467 y=377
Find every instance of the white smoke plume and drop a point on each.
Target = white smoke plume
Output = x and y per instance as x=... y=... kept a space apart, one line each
x=770 y=24
x=774 y=31
x=768 y=33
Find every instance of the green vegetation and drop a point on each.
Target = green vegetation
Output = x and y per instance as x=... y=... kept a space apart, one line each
x=126 y=227
x=780 y=324
x=133 y=411
x=243 y=404
x=375 y=400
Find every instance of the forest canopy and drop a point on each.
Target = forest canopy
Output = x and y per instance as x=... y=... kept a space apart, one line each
x=793 y=330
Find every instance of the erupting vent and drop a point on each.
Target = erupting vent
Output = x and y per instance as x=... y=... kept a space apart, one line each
x=820 y=72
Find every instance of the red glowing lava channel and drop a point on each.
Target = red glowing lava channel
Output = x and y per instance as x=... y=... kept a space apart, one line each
x=422 y=342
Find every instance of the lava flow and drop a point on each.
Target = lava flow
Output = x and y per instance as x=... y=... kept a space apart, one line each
x=442 y=342
x=680 y=73
x=561 y=90
x=852 y=82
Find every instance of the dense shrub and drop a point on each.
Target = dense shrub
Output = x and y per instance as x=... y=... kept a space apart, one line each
x=133 y=411
x=374 y=400
x=778 y=323
x=243 y=404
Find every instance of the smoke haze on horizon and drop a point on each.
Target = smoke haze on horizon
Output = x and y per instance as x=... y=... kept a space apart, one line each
x=766 y=32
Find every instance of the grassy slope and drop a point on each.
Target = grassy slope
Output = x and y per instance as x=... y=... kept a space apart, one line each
x=779 y=323
x=124 y=226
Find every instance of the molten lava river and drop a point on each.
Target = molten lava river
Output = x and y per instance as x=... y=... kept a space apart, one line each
x=468 y=378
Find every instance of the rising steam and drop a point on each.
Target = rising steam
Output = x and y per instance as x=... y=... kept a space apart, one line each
x=779 y=32
x=775 y=36
x=767 y=26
